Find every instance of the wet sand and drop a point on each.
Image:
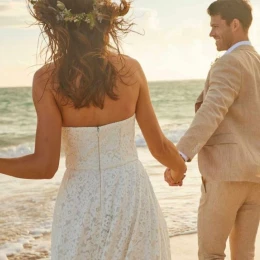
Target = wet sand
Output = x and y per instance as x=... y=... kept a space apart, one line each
x=185 y=248
x=182 y=247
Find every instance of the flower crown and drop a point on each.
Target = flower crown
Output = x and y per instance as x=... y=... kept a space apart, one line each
x=65 y=15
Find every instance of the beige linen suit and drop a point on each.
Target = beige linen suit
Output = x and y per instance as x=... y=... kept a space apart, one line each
x=225 y=133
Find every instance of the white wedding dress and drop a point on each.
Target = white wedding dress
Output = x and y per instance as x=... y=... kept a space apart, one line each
x=106 y=208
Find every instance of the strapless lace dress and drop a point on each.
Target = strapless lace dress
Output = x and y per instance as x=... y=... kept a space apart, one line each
x=106 y=208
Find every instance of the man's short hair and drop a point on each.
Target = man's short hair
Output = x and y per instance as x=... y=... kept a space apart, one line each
x=233 y=9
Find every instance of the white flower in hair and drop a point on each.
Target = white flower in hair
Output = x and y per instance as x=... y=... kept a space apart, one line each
x=100 y=2
x=61 y=6
x=99 y=18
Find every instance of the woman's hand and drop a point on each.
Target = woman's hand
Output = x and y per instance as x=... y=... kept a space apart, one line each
x=171 y=179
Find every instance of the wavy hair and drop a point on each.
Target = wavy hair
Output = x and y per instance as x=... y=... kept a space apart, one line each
x=80 y=53
x=233 y=9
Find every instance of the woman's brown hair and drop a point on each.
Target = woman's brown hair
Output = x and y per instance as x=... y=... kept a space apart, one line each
x=79 y=52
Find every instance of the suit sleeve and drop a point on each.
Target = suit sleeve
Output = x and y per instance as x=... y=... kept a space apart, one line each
x=224 y=87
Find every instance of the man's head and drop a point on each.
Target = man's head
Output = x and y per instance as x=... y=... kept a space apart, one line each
x=230 y=22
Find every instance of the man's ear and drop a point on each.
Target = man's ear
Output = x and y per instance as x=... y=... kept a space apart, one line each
x=235 y=25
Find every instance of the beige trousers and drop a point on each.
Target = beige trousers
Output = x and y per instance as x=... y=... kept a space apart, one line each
x=228 y=209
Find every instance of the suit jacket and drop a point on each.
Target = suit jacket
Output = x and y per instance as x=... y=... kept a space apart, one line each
x=225 y=131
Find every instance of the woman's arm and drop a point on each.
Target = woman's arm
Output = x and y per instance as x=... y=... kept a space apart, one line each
x=160 y=147
x=44 y=162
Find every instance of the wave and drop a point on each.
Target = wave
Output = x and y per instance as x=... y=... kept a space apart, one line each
x=172 y=132
x=16 y=151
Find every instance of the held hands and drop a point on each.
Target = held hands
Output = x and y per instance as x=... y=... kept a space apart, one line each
x=170 y=178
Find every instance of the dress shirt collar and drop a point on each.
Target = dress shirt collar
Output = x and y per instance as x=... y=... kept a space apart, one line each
x=237 y=45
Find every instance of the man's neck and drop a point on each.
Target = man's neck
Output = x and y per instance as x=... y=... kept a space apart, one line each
x=237 y=44
x=239 y=39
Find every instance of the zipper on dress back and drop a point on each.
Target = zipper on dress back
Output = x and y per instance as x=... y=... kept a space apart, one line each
x=100 y=174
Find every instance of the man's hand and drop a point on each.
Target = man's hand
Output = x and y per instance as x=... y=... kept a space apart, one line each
x=169 y=178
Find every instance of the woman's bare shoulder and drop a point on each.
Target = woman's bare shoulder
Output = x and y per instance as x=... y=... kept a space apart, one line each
x=131 y=60
x=129 y=69
x=44 y=81
x=124 y=62
x=45 y=73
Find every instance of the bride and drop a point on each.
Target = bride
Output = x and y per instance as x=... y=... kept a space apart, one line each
x=89 y=95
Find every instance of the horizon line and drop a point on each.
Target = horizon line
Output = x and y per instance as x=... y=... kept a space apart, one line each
x=150 y=81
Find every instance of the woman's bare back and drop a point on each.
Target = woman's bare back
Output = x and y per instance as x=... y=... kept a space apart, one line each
x=127 y=90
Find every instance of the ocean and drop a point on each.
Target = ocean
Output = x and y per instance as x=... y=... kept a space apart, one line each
x=26 y=206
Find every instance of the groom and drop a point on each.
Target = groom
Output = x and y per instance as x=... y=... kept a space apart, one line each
x=225 y=133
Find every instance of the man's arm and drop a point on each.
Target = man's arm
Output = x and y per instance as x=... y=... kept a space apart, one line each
x=224 y=87
x=198 y=104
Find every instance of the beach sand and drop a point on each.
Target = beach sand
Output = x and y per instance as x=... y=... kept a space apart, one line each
x=185 y=248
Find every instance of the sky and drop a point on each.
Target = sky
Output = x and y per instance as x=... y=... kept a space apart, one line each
x=175 y=44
